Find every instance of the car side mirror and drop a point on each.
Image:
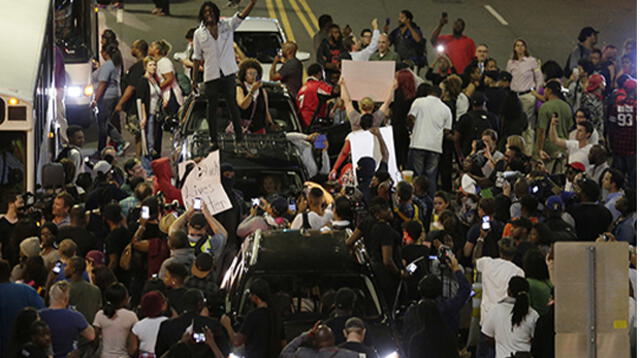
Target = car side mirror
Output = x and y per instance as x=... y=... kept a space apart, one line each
x=303 y=56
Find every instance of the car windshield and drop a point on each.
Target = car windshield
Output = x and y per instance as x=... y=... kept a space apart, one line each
x=301 y=296
x=262 y=46
x=262 y=183
x=280 y=108
x=73 y=29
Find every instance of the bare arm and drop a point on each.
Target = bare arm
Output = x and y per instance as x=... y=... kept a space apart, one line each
x=236 y=338
x=215 y=225
x=437 y=30
x=89 y=333
x=355 y=236
x=132 y=344
x=247 y=10
x=273 y=74
x=242 y=100
x=167 y=79
x=344 y=94
x=102 y=86
x=477 y=250
x=195 y=72
x=387 y=259
x=128 y=93
x=468 y=249
x=383 y=146
x=415 y=34
x=180 y=222
x=553 y=133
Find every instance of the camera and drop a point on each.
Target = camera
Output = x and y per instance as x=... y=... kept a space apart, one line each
x=443 y=254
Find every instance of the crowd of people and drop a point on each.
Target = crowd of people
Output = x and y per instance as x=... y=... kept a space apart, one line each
x=497 y=164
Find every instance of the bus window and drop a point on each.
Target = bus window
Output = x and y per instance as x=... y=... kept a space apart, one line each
x=73 y=32
x=13 y=161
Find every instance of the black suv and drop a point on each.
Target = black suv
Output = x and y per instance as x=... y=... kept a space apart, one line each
x=300 y=268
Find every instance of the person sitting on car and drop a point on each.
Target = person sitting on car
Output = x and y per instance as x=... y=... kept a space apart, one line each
x=316 y=215
x=252 y=99
x=272 y=218
x=271 y=184
x=315 y=159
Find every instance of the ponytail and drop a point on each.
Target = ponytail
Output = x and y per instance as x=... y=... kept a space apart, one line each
x=109 y=310
x=519 y=289
x=115 y=296
x=115 y=54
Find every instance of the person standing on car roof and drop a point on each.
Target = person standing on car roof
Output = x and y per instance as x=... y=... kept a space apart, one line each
x=213 y=44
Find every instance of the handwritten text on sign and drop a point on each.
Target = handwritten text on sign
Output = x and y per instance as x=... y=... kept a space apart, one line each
x=204 y=182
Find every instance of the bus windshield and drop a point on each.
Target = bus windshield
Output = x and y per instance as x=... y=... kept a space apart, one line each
x=74 y=30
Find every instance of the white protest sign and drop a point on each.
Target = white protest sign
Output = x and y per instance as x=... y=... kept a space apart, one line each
x=368 y=78
x=364 y=144
x=204 y=182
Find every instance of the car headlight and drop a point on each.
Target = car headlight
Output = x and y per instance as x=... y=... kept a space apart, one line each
x=74 y=91
x=393 y=354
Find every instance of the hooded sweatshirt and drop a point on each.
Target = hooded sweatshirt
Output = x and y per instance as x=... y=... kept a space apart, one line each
x=162 y=180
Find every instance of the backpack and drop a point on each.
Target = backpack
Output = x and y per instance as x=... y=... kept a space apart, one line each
x=64 y=153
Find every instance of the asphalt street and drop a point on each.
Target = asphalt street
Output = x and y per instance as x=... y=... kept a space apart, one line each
x=549 y=27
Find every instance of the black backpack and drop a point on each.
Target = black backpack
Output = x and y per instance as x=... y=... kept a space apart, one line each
x=64 y=153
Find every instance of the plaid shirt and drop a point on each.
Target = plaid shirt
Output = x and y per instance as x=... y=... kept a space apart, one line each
x=621 y=125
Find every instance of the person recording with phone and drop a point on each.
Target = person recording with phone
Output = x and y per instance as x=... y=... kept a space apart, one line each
x=205 y=233
x=147 y=238
x=458 y=47
x=265 y=215
x=313 y=150
x=430 y=289
x=252 y=99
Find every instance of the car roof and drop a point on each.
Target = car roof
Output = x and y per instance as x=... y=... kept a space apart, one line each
x=282 y=251
x=259 y=24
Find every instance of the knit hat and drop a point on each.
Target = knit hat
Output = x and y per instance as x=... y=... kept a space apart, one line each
x=30 y=247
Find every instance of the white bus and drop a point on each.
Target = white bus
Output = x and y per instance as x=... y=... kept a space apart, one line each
x=76 y=29
x=27 y=93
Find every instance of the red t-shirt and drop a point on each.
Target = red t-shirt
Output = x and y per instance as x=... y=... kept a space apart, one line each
x=461 y=50
x=308 y=99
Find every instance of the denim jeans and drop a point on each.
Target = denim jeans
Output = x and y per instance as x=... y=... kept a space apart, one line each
x=485 y=349
x=226 y=87
x=425 y=162
x=105 y=127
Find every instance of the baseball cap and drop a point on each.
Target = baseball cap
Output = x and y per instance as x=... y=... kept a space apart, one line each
x=102 y=166
x=590 y=188
x=595 y=81
x=505 y=76
x=30 y=247
x=198 y=221
x=508 y=246
x=203 y=265
x=354 y=322
x=554 y=203
x=478 y=99
x=577 y=166
x=96 y=257
x=586 y=32
x=279 y=204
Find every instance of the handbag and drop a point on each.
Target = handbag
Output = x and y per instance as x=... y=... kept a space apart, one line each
x=125 y=258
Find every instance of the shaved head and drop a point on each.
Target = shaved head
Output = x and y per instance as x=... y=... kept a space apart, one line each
x=324 y=337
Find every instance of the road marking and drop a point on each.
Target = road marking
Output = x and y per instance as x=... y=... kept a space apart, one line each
x=270 y=10
x=312 y=16
x=495 y=14
x=303 y=19
x=285 y=20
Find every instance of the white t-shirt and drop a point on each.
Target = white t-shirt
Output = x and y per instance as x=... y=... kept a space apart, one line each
x=595 y=137
x=432 y=118
x=147 y=332
x=509 y=338
x=577 y=154
x=165 y=66
x=315 y=221
x=115 y=332
x=496 y=274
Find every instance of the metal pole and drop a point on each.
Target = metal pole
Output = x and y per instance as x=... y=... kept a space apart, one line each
x=591 y=326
